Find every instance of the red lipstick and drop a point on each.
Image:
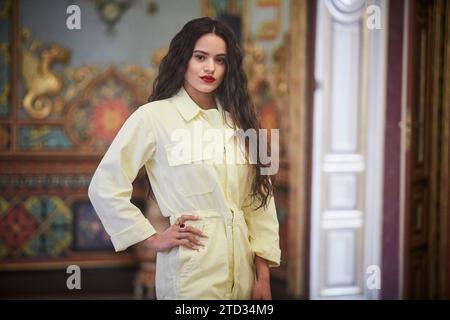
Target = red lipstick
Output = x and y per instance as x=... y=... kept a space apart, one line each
x=208 y=79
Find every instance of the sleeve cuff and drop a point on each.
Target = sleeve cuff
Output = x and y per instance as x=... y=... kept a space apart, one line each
x=137 y=233
x=273 y=257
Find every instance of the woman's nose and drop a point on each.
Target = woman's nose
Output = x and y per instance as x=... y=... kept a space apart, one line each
x=210 y=66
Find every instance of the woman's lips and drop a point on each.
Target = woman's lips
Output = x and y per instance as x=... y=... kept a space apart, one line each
x=208 y=79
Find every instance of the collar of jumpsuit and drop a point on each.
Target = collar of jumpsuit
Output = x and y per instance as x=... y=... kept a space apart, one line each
x=218 y=193
x=189 y=109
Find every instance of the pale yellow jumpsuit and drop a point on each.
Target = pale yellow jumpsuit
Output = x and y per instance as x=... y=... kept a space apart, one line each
x=217 y=192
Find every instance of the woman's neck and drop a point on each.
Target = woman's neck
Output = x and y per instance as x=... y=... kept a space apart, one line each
x=203 y=100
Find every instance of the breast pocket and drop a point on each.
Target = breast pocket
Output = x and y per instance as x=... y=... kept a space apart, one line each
x=192 y=174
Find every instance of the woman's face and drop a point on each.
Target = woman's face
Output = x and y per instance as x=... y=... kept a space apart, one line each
x=206 y=68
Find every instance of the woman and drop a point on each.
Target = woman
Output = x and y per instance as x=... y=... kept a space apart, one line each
x=223 y=233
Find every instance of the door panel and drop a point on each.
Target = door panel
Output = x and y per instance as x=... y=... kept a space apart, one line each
x=423 y=149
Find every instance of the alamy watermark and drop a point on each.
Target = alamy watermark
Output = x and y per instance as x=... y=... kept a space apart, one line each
x=211 y=145
x=373 y=281
x=73 y=21
x=373 y=20
x=74 y=280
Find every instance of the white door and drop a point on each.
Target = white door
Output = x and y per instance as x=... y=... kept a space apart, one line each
x=348 y=149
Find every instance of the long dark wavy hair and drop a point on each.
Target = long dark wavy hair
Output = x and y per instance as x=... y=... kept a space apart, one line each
x=232 y=92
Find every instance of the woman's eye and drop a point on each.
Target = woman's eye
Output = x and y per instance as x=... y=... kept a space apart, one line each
x=221 y=60
x=200 y=57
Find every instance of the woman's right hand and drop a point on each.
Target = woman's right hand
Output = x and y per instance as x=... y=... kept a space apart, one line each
x=178 y=234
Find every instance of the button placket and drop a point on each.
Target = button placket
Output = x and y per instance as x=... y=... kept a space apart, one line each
x=229 y=226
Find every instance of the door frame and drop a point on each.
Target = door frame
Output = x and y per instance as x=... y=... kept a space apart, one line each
x=444 y=244
x=439 y=188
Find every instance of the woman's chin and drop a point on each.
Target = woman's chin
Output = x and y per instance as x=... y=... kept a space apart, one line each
x=206 y=88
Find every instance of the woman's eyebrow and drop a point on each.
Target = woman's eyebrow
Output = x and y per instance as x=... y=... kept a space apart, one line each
x=207 y=54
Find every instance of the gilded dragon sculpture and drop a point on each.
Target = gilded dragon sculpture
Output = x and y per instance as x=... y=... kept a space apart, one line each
x=41 y=81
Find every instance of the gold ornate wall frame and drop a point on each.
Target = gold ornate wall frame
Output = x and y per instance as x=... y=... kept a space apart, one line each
x=300 y=94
